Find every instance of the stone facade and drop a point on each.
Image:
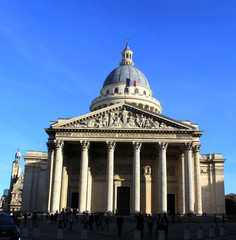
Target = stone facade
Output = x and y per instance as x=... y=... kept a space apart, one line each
x=124 y=156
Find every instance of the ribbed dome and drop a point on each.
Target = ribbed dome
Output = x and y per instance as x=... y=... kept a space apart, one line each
x=120 y=74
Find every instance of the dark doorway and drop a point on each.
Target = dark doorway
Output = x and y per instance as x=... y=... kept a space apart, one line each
x=74 y=200
x=171 y=203
x=123 y=200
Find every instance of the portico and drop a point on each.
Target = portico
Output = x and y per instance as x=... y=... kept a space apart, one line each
x=108 y=159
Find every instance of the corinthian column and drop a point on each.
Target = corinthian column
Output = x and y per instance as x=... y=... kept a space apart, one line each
x=57 y=176
x=110 y=174
x=189 y=178
x=162 y=177
x=198 y=192
x=83 y=175
x=182 y=181
x=51 y=147
x=136 y=176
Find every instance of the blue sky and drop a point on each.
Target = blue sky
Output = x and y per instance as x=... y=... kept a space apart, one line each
x=55 y=56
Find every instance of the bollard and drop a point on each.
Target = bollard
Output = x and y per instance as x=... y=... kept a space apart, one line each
x=84 y=234
x=199 y=233
x=211 y=231
x=36 y=233
x=60 y=233
x=187 y=234
x=137 y=234
x=222 y=230
x=161 y=234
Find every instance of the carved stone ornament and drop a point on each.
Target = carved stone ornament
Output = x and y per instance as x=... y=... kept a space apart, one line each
x=137 y=145
x=59 y=144
x=50 y=145
x=188 y=146
x=121 y=119
x=85 y=144
x=147 y=170
x=196 y=148
x=163 y=146
x=111 y=145
x=208 y=170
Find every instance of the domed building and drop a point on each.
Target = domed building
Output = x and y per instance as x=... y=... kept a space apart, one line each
x=124 y=156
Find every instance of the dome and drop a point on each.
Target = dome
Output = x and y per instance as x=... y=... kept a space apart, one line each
x=120 y=74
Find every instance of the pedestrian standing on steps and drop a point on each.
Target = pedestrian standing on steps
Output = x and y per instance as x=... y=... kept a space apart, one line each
x=71 y=220
x=119 y=222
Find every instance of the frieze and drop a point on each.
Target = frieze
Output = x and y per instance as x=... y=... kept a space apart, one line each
x=117 y=135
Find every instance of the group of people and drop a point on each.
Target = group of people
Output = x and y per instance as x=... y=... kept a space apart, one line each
x=162 y=224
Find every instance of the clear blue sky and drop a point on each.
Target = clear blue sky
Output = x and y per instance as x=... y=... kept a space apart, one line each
x=55 y=56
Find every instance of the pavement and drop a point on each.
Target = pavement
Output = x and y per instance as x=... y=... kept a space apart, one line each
x=49 y=231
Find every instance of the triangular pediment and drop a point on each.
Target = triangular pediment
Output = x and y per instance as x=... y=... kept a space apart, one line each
x=122 y=116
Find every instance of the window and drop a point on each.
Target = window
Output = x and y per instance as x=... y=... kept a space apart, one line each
x=107 y=91
x=135 y=90
x=116 y=90
x=144 y=92
x=127 y=55
x=126 y=90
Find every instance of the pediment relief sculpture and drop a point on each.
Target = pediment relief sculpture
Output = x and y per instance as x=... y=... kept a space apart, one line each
x=122 y=119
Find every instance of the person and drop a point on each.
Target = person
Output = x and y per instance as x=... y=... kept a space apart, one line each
x=158 y=223
x=65 y=219
x=119 y=222
x=85 y=220
x=34 y=218
x=71 y=220
x=173 y=217
x=60 y=220
x=100 y=219
x=91 y=218
x=178 y=218
x=140 y=225
x=106 y=222
x=150 y=226
x=25 y=218
x=96 y=219
x=164 y=224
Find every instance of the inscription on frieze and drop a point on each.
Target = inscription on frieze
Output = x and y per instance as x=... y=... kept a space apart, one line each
x=123 y=135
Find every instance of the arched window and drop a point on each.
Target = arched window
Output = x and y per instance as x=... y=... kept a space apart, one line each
x=116 y=90
x=126 y=90
x=135 y=90
x=127 y=55
x=107 y=91
x=144 y=92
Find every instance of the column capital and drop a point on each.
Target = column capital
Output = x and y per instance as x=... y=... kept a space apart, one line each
x=181 y=154
x=59 y=143
x=50 y=145
x=188 y=146
x=137 y=145
x=197 y=147
x=85 y=144
x=111 y=145
x=162 y=145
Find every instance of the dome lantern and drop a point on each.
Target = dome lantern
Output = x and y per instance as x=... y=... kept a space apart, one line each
x=127 y=55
